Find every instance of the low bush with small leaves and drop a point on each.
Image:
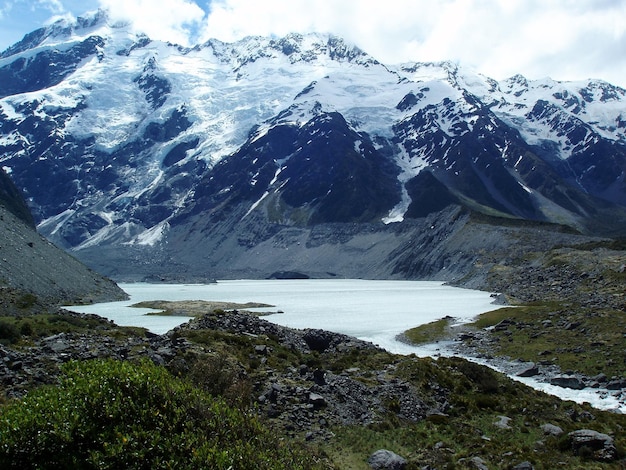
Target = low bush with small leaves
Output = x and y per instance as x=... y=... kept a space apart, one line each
x=118 y=414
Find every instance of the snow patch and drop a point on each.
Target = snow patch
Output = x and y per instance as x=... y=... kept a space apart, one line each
x=53 y=224
x=256 y=204
x=151 y=236
x=397 y=213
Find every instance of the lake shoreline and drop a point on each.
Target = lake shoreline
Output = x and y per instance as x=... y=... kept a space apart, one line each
x=241 y=292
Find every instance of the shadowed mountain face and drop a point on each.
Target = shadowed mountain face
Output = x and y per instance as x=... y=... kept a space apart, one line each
x=144 y=158
x=32 y=270
x=12 y=201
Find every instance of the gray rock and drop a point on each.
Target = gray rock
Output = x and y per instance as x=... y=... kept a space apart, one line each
x=316 y=400
x=601 y=445
x=530 y=371
x=478 y=463
x=551 y=430
x=568 y=381
x=386 y=460
x=503 y=422
x=524 y=466
x=503 y=325
x=616 y=385
x=600 y=378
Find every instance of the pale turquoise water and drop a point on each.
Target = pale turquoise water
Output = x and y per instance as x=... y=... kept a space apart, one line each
x=371 y=310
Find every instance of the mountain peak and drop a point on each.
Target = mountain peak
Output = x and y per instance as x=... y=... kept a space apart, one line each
x=133 y=131
x=294 y=46
x=61 y=29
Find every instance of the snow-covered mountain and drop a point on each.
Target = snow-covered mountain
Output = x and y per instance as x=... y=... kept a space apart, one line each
x=126 y=145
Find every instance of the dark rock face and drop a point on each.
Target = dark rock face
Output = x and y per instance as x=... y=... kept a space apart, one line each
x=45 y=69
x=315 y=175
x=428 y=195
x=32 y=268
x=12 y=200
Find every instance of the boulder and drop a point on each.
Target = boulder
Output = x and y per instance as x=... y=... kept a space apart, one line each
x=551 y=430
x=318 y=340
x=386 y=460
x=524 y=466
x=503 y=422
x=530 y=371
x=477 y=463
x=601 y=446
x=316 y=400
x=616 y=384
x=568 y=381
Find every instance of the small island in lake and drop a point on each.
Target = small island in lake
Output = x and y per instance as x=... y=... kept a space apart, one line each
x=196 y=308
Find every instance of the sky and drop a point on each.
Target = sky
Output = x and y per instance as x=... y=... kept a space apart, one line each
x=561 y=39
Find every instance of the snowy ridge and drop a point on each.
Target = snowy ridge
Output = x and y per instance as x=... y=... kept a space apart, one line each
x=130 y=127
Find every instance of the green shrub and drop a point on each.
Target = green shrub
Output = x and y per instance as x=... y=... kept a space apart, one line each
x=217 y=376
x=26 y=301
x=26 y=328
x=9 y=333
x=113 y=414
x=484 y=379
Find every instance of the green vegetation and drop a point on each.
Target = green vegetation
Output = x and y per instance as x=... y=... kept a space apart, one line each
x=26 y=301
x=112 y=414
x=26 y=327
x=9 y=333
x=478 y=398
x=429 y=332
x=586 y=340
x=232 y=398
x=575 y=338
x=570 y=310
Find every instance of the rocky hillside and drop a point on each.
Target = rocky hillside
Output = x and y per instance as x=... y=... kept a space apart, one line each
x=343 y=398
x=33 y=272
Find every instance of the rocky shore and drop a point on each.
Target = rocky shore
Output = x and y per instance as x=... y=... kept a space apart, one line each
x=304 y=398
x=306 y=383
x=604 y=392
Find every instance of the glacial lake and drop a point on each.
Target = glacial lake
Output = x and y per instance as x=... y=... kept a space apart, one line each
x=375 y=311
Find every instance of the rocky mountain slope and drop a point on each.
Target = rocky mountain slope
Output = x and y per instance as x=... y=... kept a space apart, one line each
x=300 y=153
x=33 y=272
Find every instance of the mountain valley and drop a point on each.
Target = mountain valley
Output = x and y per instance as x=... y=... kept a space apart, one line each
x=302 y=157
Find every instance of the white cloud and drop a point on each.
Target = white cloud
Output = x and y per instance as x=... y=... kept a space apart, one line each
x=565 y=39
x=169 y=20
x=54 y=6
x=5 y=8
x=67 y=17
